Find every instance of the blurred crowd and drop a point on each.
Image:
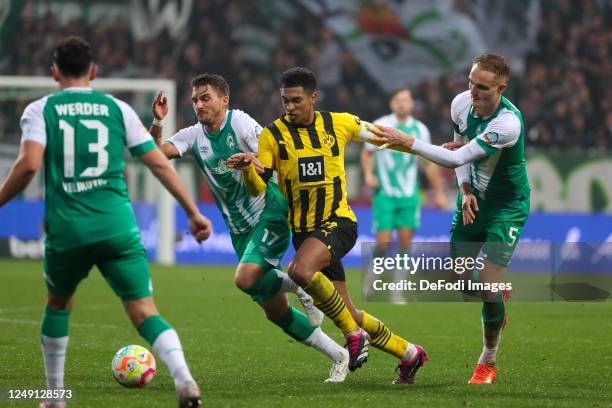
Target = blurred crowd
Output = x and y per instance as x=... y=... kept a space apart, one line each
x=564 y=91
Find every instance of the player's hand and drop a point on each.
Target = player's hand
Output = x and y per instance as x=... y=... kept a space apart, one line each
x=388 y=136
x=160 y=106
x=469 y=206
x=371 y=181
x=200 y=227
x=453 y=145
x=244 y=160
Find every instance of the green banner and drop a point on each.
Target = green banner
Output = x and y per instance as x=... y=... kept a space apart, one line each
x=563 y=181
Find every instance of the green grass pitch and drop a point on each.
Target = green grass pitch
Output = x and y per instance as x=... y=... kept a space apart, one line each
x=552 y=354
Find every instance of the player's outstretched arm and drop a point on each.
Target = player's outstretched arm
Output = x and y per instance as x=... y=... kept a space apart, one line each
x=367 y=135
x=200 y=226
x=23 y=171
x=159 y=108
x=251 y=169
x=437 y=154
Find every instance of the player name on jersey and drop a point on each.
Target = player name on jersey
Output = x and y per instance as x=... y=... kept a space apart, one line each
x=81 y=108
x=80 y=186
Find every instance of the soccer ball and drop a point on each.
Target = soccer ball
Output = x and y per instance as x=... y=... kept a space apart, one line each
x=133 y=366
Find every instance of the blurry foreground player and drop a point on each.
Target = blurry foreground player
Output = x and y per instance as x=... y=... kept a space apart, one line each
x=306 y=148
x=81 y=135
x=493 y=202
x=257 y=225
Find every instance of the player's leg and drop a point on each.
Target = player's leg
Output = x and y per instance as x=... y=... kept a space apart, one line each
x=314 y=252
x=412 y=356
x=502 y=238
x=466 y=241
x=124 y=265
x=258 y=272
x=62 y=271
x=505 y=222
x=257 y=275
x=382 y=223
x=266 y=282
x=311 y=257
x=296 y=324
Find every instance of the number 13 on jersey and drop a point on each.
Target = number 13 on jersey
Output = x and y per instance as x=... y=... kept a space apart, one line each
x=98 y=148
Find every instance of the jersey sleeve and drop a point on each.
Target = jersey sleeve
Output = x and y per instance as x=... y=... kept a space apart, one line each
x=32 y=122
x=247 y=131
x=183 y=140
x=459 y=107
x=267 y=150
x=255 y=183
x=137 y=137
x=372 y=147
x=354 y=126
x=424 y=134
x=501 y=132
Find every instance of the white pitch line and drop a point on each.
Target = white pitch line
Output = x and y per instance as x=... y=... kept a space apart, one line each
x=37 y=322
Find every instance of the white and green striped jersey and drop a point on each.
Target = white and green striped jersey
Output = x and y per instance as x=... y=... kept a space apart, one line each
x=238 y=133
x=397 y=172
x=85 y=133
x=502 y=174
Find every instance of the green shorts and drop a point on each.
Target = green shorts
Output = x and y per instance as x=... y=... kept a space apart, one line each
x=391 y=213
x=122 y=260
x=265 y=245
x=498 y=227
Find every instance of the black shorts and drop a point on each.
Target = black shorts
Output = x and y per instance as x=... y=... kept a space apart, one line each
x=339 y=235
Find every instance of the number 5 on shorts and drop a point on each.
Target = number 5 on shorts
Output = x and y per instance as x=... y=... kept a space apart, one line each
x=512 y=234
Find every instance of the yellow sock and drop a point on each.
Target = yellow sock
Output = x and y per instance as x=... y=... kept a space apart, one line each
x=382 y=338
x=328 y=300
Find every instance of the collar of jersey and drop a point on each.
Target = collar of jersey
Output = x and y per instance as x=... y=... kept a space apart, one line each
x=499 y=107
x=409 y=122
x=289 y=124
x=216 y=132
x=78 y=89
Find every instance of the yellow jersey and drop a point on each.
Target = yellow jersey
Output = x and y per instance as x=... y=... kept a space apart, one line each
x=309 y=161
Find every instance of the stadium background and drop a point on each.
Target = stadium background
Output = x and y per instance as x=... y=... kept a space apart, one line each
x=561 y=54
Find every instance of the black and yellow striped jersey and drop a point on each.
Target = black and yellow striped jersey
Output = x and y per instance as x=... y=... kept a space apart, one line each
x=309 y=161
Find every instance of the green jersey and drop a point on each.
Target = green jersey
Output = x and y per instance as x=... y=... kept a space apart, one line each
x=502 y=173
x=85 y=133
x=397 y=172
x=239 y=133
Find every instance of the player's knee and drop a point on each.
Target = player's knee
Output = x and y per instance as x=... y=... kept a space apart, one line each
x=242 y=282
x=139 y=310
x=299 y=272
x=59 y=303
x=244 y=279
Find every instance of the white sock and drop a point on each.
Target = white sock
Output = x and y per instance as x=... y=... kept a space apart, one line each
x=288 y=285
x=489 y=354
x=323 y=343
x=54 y=355
x=168 y=347
x=410 y=352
